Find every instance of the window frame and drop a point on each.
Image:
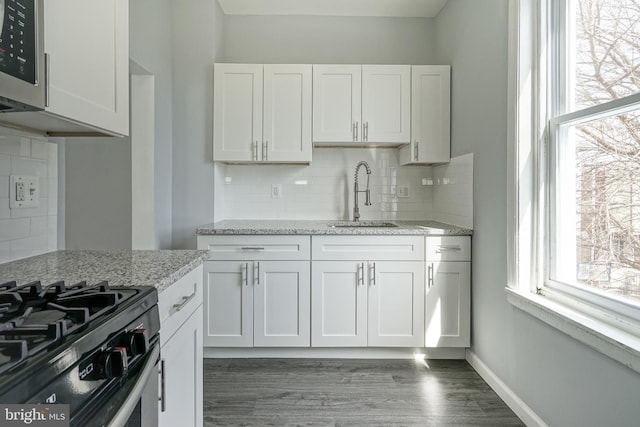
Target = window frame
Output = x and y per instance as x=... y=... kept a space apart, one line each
x=608 y=324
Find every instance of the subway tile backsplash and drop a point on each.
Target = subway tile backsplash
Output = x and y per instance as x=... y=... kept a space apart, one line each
x=28 y=231
x=324 y=189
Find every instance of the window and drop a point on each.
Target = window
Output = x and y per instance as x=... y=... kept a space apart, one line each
x=574 y=219
x=594 y=149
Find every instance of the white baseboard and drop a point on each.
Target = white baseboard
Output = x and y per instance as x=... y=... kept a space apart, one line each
x=335 y=353
x=517 y=405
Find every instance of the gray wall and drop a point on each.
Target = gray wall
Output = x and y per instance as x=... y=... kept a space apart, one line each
x=197 y=34
x=564 y=382
x=98 y=193
x=326 y=39
x=150 y=47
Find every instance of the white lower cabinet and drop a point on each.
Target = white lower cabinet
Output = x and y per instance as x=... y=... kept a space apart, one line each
x=181 y=350
x=257 y=304
x=257 y=291
x=448 y=298
x=367 y=303
x=367 y=291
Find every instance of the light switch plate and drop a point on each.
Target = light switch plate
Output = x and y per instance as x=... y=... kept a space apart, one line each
x=24 y=191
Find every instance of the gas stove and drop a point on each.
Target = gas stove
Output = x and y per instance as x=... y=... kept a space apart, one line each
x=77 y=344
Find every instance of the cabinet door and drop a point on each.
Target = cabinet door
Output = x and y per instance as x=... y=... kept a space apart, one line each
x=237 y=112
x=447 y=322
x=228 y=300
x=386 y=103
x=287 y=113
x=182 y=373
x=87 y=43
x=337 y=101
x=282 y=304
x=339 y=299
x=430 y=114
x=396 y=304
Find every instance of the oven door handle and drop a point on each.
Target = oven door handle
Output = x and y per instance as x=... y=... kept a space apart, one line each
x=129 y=405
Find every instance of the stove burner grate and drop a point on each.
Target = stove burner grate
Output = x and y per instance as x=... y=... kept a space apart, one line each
x=34 y=318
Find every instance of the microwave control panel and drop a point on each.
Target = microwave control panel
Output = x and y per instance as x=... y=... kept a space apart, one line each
x=18 y=39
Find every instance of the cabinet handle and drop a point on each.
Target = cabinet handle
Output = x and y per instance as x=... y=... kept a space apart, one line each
x=245 y=270
x=163 y=394
x=373 y=273
x=252 y=248
x=266 y=150
x=360 y=274
x=185 y=300
x=256 y=273
x=365 y=132
x=430 y=275
x=47 y=68
x=448 y=248
x=255 y=151
x=416 y=149
x=354 y=131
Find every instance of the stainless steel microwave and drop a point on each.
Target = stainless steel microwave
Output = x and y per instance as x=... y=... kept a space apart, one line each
x=22 y=59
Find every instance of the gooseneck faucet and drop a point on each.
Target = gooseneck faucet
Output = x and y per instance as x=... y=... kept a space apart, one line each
x=356 y=190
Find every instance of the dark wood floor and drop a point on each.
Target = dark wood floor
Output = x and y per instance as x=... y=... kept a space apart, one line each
x=337 y=392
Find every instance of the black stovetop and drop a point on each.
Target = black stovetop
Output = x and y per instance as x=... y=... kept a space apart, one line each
x=47 y=329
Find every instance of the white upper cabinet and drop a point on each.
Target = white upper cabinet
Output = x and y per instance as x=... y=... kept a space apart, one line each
x=87 y=46
x=386 y=103
x=430 y=116
x=368 y=104
x=337 y=94
x=287 y=113
x=262 y=113
x=237 y=123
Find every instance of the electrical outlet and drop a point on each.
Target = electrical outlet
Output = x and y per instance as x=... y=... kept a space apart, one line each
x=403 y=191
x=276 y=191
x=24 y=191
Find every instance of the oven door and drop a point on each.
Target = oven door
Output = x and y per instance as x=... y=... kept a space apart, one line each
x=135 y=403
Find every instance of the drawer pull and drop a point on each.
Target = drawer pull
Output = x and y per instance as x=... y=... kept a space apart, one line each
x=185 y=300
x=447 y=248
x=430 y=275
x=252 y=248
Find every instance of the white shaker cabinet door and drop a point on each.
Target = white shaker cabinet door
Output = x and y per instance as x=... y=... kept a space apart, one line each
x=386 y=103
x=396 y=304
x=228 y=299
x=87 y=46
x=281 y=303
x=339 y=298
x=182 y=399
x=237 y=112
x=287 y=113
x=337 y=97
x=448 y=304
x=430 y=115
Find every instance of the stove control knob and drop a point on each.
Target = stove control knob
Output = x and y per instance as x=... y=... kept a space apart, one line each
x=114 y=362
x=137 y=342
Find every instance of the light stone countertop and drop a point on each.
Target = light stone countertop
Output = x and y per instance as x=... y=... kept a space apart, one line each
x=159 y=269
x=262 y=227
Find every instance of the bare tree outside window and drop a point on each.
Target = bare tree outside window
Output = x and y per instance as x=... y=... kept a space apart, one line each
x=607 y=150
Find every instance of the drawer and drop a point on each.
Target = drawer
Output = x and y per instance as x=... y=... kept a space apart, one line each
x=177 y=302
x=256 y=248
x=448 y=248
x=365 y=248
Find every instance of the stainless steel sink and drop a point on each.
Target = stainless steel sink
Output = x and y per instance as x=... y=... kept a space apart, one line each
x=371 y=224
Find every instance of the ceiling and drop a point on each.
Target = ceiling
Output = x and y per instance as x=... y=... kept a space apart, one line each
x=388 y=8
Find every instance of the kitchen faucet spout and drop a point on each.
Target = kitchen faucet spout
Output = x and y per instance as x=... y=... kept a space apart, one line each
x=356 y=190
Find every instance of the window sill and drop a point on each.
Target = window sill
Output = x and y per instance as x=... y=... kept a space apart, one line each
x=620 y=345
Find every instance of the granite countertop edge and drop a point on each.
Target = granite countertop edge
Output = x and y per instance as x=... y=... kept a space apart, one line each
x=147 y=268
x=284 y=227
